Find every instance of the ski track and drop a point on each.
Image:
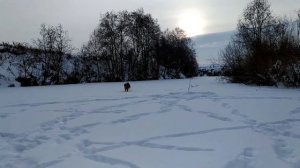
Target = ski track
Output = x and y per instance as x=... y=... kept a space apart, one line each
x=243 y=160
x=95 y=151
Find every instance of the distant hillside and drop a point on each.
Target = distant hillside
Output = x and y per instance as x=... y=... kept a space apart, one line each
x=208 y=46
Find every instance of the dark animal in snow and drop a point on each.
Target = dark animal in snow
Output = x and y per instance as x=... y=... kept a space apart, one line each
x=126 y=87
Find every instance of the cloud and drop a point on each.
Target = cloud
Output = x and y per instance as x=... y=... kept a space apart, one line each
x=21 y=20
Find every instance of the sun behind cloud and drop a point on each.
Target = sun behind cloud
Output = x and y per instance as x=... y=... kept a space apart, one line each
x=192 y=22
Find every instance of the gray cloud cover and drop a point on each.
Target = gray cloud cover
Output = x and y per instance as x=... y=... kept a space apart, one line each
x=20 y=20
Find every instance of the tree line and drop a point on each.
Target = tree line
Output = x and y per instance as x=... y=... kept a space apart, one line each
x=124 y=46
x=265 y=50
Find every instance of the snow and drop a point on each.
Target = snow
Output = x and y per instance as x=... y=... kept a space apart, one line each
x=156 y=124
x=7 y=74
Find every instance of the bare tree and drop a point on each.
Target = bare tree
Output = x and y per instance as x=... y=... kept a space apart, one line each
x=144 y=34
x=46 y=45
x=55 y=45
x=298 y=25
x=257 y=18
x=176 y=55
x=124 y=46
x=265 y=49
x=62 y=49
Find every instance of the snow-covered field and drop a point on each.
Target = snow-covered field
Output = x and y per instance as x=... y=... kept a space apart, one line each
x=158 y=124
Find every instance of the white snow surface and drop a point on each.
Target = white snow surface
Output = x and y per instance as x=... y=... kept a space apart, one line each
x=158 y=124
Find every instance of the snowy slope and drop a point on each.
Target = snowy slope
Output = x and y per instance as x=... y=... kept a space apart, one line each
x=158 y=124
x=208 y=46
x=8 y=75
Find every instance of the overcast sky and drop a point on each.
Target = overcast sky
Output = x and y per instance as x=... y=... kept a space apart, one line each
x=20 y=20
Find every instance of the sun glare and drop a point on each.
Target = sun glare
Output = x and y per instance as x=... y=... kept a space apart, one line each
x=192 y=22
